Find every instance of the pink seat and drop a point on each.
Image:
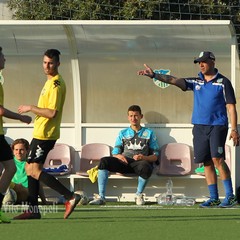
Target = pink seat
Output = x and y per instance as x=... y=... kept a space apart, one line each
x=59 y=158
x=175 y=159
x=90 y=156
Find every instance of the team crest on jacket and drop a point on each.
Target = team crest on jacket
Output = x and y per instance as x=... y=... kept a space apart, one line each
x=198 y=87
x=145 y=134
x=220 y=150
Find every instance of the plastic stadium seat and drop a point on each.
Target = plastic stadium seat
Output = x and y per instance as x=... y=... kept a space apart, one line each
x=90 y=156
x=175 y=159
x=58 y=161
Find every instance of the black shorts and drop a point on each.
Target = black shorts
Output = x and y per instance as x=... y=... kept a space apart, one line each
x=39 y=150
x=141 y=168
x=209 y=142
x=5 y=150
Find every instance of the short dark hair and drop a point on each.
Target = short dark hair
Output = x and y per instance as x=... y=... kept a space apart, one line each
x=0 y=49
x=135 y=108
x=53 y=53
x=20 y=141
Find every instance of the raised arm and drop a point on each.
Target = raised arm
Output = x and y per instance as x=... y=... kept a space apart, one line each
x=12 y=115
x=179 y=82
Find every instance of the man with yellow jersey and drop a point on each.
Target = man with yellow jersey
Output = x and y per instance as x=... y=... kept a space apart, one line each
x=46 y=132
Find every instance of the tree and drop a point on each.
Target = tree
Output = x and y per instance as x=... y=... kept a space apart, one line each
x=30 y=9
x=124 y=9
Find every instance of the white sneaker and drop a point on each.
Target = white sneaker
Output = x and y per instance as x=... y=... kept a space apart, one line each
x=97 y=200
x=140 y=199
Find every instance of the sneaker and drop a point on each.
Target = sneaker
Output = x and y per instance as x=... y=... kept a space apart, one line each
x=28 y=215
x=228 y=202
x=140 y=199
x=97 y=200
x=71 y=204
x=200 y=171
x=210 y=203
x=3 y=218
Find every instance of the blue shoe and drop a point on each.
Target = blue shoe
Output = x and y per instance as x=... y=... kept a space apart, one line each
x=210 y=203
x=228 y=202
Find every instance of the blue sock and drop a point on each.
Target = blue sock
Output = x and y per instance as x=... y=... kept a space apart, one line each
x=102 y=182
x=141 y=185
x=227 y=183
x=213 y=190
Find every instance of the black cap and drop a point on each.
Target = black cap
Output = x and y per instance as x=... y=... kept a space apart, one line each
x=203 y=56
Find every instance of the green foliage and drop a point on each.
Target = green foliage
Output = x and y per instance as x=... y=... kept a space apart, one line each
x=75 y=9
x=224 y=9
x=138 y=9
x=30 y=9
x=124 y=9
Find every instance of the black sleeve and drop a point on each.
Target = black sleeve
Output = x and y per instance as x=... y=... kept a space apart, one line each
x=229 y=92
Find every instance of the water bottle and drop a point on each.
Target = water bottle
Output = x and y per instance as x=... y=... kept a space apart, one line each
x=190 y=202
x=161 y=200
x=169 y=193
x=183 y=201
x=167 y=198
x=169 y=186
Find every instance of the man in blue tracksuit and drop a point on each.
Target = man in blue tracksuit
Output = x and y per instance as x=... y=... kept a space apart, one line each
x=213 y=98
x=135 y=151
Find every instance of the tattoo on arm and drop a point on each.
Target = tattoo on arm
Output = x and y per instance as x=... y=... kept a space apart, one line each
x=166 y=78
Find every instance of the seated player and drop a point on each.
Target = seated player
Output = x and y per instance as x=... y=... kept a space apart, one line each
x=19 y=183
x=135 y=151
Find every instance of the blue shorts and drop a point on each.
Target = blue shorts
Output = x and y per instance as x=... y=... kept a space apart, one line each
x=209 y=142
x=39 y=150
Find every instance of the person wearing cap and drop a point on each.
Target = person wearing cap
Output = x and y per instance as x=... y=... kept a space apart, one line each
x=214 y=99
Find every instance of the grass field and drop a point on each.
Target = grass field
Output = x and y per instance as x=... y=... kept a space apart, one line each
x=127 y=221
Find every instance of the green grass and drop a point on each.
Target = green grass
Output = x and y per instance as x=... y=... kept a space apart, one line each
x=127 y=221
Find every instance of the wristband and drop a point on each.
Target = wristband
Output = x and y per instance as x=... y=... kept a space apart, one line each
x=153 y=76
